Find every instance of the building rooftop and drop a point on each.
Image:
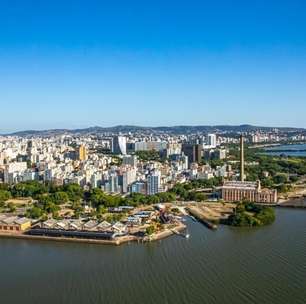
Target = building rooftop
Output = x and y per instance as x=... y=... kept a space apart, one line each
x=10 y=220
x=90 y=224
x=22 y=220
x=241 y=185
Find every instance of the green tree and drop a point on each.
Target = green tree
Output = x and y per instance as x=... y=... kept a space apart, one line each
x=4 y=196
x=280 y=178
x=35 y=212
x=249 y=214
x=60 y=197
x=29 y=189
x=150 y=155
x=150 y=230
x=74 y=192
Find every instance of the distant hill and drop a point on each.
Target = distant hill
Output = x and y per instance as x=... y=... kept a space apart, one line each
x=171 y=130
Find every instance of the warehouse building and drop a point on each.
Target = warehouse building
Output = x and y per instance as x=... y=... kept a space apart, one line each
x=14 y=223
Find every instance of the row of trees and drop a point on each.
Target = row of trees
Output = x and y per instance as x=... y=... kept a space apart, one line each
x=49 y=197
x=98 y=198
x=187 y=191
x=35 y=189
x=73 y=193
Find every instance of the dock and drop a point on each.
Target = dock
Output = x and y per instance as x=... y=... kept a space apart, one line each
x=200 y=215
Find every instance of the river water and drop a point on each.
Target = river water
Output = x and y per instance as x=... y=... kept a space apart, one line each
x=288 y=150
x=230 y=265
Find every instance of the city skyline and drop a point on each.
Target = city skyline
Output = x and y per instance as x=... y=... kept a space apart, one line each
x=80 y=64
x=152 y=151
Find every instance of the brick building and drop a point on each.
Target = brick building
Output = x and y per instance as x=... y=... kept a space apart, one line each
x=250 y=191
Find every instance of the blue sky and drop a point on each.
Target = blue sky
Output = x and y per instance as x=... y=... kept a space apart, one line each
x=71 y=64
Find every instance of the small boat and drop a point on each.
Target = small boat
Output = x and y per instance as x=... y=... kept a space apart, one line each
x=187 y=236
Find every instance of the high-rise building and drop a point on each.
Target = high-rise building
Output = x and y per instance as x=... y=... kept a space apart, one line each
x=126 y=178
x=113 y=183
x=150 y=145
x=29 y=148
x=138 y=187
x=214 y=154
x=153 y=183
x=212 y=140
x=82 y=153
x=194 y=152
x=173 y=149
x=130 y=160
x=13 y=172
x=119 y=145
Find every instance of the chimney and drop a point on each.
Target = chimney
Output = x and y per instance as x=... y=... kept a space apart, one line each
x=241 y=158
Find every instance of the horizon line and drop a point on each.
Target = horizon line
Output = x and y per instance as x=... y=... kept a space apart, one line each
x=151 y=127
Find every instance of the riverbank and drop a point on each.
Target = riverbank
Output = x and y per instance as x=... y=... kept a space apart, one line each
x=268 y=145
x=298 y=192
x=116 y=241
x=202 y=216
x=165 y=233
x=259 y=146
x=293 y=203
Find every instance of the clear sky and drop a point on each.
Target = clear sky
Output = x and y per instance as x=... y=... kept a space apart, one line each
x=69 y=64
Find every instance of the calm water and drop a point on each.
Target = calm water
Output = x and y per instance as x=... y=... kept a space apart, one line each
x=230 y=265
x=290 y=150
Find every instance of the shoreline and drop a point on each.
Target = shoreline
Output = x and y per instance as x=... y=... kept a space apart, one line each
x=293 y=203
x=202 y=217
x=118 y=241
x=298 y=193
x=165 y=233
x=268 y=145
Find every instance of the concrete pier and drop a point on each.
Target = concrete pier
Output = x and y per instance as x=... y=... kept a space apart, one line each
x=200 y=216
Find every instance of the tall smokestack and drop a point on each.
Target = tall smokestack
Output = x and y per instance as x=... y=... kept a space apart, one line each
x=241 y=158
